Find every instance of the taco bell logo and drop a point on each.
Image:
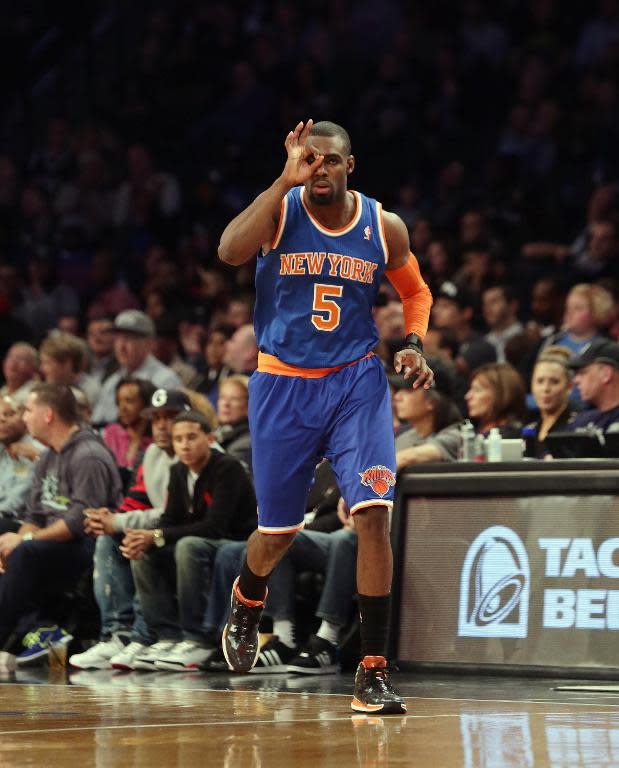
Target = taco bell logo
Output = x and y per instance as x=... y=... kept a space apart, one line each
x=495 y=586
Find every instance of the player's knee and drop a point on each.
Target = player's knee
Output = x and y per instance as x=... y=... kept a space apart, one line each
x=273 y=543
x=372 y=521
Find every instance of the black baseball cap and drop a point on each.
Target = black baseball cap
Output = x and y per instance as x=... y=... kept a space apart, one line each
x=443 y=379
x=456 y=293
x=169 y=400
x=597 y=352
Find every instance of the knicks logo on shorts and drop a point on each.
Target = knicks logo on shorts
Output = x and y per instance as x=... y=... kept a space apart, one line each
x=379 y=479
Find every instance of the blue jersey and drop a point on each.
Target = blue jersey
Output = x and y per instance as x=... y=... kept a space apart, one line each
x=316 y=287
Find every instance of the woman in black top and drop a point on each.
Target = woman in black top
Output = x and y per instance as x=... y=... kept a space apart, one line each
x=551 y=384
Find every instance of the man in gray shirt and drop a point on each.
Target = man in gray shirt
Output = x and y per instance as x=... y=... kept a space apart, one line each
x=134 y=336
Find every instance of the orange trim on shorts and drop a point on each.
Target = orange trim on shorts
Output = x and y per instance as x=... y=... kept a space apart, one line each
x=271 y=364
x=376 y=503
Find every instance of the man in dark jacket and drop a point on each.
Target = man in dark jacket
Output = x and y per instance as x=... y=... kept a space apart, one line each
x=78 y=471
x=210 y=501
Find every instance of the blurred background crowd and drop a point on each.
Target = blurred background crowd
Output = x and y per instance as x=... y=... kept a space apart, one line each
x=131 y=134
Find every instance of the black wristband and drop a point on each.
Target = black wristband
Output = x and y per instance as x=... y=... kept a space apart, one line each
x=413 y=342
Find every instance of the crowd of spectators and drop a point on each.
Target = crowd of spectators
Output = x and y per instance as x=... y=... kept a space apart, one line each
x=490 y=129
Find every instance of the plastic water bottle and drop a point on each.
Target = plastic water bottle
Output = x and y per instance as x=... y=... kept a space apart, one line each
x=493 y=445
x=467 y=441
x=479 y=448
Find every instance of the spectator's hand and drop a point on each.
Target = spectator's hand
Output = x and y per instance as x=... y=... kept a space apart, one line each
x=303 y=159
x=414 y=363
x=8 y=542
x=343 y=514
x=99 y=522
x=24 y=450
x=136 y=543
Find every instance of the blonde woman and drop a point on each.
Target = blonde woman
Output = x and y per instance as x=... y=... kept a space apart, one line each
x=551 y=384
x=589 y=309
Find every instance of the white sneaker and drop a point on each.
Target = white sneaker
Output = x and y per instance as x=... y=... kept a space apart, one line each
x=188 y=655
x=97 y=657
x=146 y=659
x=126 y=658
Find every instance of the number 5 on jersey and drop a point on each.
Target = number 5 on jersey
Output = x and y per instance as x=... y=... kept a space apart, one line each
x=329 y=319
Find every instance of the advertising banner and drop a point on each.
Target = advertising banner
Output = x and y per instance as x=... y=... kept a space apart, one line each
x=531 y=580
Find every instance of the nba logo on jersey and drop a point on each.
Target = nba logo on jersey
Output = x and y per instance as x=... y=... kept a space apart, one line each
x=378 y=478
x=367 y=233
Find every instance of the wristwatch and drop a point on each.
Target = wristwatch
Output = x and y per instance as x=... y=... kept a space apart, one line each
x=29 y=536
x=158 y=539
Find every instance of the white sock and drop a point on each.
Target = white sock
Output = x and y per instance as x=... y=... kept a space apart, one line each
x=284 y=629
x=329 y=632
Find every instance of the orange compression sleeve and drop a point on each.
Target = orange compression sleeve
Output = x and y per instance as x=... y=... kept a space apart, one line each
x=415 y=295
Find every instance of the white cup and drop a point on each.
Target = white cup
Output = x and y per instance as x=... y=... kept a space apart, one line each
x=512 y=449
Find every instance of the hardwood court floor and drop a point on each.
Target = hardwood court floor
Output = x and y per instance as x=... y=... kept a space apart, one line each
x=142 y=720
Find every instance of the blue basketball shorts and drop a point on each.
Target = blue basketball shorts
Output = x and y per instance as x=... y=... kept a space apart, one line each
x=344 y=416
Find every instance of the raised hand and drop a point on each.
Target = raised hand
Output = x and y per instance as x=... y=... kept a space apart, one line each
x=300 y=166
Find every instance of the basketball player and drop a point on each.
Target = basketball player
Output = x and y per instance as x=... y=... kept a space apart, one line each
x=319 y=390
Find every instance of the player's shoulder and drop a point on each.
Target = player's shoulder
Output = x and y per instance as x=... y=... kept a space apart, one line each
x=396 y=234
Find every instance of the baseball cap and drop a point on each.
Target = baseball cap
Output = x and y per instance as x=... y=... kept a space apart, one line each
x=134 y=321
x=171 y=400
x=597 y=352
x=443 y=380
x=456 y=293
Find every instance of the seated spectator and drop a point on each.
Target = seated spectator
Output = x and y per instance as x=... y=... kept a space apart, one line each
x=134 y=337
x=63 y=360
x=124 y=633
x=454 y=309
x=20 y=368
x=167 y=350
x=129 y=437
x=216 y=369
x=551 y=385
x=588 y=311
x=241 y=354
x=17 y=454
x=210 y=500
x=495 y=398
x=76 y=472
x=500 y=308
x=597 y=375
x=233 y=430
x=431 y=418
x=100 y=341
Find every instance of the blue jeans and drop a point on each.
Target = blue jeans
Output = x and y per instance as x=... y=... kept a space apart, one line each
x=172 y=585
x=226 y=567
x=335 y=555
x=34 y=566
x=115 y=593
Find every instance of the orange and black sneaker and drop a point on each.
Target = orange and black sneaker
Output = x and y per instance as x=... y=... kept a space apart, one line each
x=374 y=693
x=240 y=640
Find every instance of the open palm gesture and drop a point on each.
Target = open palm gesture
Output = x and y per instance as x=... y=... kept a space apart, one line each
x=298 y=169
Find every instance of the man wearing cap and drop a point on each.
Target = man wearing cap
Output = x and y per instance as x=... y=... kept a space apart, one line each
x=597 y=377
x=431 y=418
x=210 y=501
x=124 y=633
x=134 y=338
x=454 y=308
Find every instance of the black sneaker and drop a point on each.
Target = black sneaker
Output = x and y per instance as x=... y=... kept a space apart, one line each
x=273 y=657
x=318 y=657
x=240 y=641
x=374 y=693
